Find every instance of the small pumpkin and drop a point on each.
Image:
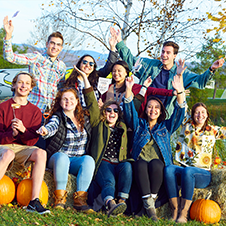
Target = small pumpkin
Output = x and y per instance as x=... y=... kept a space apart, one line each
x=205 y=210
x=7 y=190
x=24 y=190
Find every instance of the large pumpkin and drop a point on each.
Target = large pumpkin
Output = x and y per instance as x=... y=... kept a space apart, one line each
x=7 y=190
x=205 y=210
x=24 y=190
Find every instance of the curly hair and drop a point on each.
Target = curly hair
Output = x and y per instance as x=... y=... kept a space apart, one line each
x=106 y=105
x=33 y=81
x=78 y=113
x=163 y=110
x=73 y=78
x=200 y=104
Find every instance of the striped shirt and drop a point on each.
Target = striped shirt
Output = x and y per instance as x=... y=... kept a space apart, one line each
x=75 y=142
x=47 y=74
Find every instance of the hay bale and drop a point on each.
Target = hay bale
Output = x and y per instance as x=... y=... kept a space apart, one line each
x=217 y=187
x=18 y=171
x=71 y=188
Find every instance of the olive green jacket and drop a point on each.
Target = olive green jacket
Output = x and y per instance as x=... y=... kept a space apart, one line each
x=101 y=131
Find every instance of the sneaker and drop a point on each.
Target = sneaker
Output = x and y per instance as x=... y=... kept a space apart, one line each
x=36 y=206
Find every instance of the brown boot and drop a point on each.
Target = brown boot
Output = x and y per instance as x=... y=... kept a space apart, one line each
x=60 y=198
x=174 y=204
x=80 y=204
x=116 y=209
x=184 y=210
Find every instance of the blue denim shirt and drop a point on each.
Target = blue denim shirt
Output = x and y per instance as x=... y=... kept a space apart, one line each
x=160 y=132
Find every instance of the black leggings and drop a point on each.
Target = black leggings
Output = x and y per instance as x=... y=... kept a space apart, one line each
x=148 y=175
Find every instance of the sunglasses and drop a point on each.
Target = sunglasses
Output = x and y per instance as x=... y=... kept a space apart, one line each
x=91 y=64
x=110 y=110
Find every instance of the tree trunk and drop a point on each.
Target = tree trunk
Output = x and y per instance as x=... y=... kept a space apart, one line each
x=215 y=90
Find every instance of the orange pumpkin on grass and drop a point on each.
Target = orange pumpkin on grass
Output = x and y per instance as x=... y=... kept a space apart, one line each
x=24 y=190
x=7 y=190
x=205 y=210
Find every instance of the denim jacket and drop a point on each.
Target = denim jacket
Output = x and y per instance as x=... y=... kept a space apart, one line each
x=160 y=132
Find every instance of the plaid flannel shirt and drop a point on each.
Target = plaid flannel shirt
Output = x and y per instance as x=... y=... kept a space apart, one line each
x=75 y=142
x=47 y=74
x=81 y=86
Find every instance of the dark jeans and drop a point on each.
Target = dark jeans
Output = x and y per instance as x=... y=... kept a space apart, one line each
x=148 y=175
x=107 y=175
x=191 y=177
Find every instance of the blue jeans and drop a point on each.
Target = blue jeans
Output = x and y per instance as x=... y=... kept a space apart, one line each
x=190 y=177
x=108 y=174
x=82 y=167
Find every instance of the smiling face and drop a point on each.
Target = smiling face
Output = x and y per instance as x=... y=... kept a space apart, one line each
x=119 y=73
x=22 y=86
x=168 y=57
x=153 y=110
x=200 y=116
x=68 y=102
x=87 y=65
x=54 y=47
x=112 y=116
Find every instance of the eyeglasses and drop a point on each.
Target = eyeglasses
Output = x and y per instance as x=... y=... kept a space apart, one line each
x=91 y=64
x=54 y=43
x=110 y=110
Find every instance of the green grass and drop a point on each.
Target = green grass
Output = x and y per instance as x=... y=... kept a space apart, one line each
x=218 y=93
x=18 y=216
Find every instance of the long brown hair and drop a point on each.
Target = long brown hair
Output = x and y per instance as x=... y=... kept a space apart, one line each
x=200 y=104
x=78 y=113
x=93 y=76
x=163 y=110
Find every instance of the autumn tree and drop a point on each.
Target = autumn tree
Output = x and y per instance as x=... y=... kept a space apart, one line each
x=145 y=24
x=219 y=19
x=210 y=52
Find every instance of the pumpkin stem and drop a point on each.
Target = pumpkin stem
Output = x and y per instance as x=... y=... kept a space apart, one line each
x=208 y=195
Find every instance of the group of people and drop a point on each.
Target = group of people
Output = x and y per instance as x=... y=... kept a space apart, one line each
x=108 y=141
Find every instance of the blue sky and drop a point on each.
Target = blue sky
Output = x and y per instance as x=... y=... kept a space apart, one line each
x=29 y=9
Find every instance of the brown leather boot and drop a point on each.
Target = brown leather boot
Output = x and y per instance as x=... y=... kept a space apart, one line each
x=184 y=210
x=60 y=198
x=174 y=204
x=80 y=204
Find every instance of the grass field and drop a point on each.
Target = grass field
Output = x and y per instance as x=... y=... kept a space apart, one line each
x=19 y=217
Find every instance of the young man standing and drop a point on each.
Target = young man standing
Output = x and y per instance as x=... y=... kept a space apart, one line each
x=19 y=120
x=47 y=69
x=162 y=71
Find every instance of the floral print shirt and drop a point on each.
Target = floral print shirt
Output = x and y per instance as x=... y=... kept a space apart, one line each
x=195 y=146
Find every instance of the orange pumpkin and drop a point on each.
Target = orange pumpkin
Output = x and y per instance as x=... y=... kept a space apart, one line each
x=205 y=210
x=24 y=190
x=7 y=190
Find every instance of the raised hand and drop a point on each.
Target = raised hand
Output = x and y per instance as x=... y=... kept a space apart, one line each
x=129 y=82
x=83 y=74
x=147 y=82
x=217 y=64
x=8 y=26
x=180 y=67
x=116 y=34
x=178 y=83
x=42 y=131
